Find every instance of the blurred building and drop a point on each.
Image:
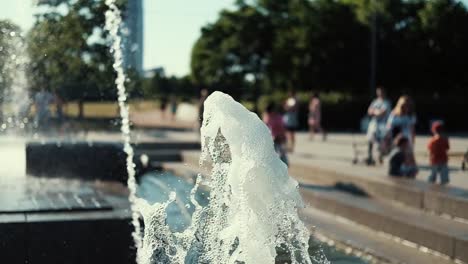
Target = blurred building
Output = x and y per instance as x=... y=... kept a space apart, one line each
x=133 y=43
x=150 y=73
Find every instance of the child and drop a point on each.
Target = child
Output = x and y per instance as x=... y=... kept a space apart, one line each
x=402 y=162
x=274 y=121
x=438 y=146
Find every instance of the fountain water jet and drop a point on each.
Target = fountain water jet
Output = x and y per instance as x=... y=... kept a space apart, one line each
x=253 y=203
x=16 y=94
x=113 y=23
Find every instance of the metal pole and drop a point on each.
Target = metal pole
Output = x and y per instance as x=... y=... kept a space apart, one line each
x=373 y=51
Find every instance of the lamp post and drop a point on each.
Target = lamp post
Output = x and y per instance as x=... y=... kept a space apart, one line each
x=373 y=50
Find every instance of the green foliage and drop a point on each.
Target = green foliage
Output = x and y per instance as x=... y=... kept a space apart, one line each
x=324 y=45
x=69 y=51
x=160 y=86
x=221 y=60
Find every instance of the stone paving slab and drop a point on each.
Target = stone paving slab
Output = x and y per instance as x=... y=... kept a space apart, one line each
x=51 y=202
x=35 y=195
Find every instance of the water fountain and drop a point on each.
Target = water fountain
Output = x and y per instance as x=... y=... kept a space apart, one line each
x=16 y=94
x=252 y=211
x=253 y=202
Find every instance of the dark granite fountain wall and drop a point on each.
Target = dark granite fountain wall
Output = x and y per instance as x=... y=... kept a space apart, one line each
x=83 y=160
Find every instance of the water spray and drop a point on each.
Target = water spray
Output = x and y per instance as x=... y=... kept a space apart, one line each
x=113 y=24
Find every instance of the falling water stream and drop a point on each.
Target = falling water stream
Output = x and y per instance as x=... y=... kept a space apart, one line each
x=113 y=23
x=16 y=94
x=252 y=210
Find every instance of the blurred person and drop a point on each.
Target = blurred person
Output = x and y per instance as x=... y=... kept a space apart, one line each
x=42 y=100
x=403 y=118
x=274 y=122
x=438 y=147
x=315 y=117
x=291 y=119
x=401 y=161
x=59 y=103
x=464 y=161
x=378 y=111
x=173 y=103
x=201 y=105
x=163 y=107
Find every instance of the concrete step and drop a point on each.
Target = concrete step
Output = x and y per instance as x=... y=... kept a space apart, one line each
x=447 y=200
x=364 y=241
x=178 y=145
x=160 y=155
x=415 y=193
x=443 y=235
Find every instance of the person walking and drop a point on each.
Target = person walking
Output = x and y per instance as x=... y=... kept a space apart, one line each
x=42 y=100
x=315 y=117
x=378 y=111
x=438 y=147
x=163 y=107
x=173 y=104
x=274 y=122
x=291 y=119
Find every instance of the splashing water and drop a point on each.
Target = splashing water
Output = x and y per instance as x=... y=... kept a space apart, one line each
x=253 y=203
x=113 y=23
x=252 y=209
x=16 y=94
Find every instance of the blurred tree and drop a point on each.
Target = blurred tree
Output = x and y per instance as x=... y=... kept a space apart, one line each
x=444 y=41
x=69 y=51
x=162 y=86
x=233 y=51
x=282 y=44
x=325 y=45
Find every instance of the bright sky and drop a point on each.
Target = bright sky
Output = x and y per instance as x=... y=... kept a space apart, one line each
x=171 y=27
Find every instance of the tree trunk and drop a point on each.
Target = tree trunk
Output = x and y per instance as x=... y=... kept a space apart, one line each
x=80 y=109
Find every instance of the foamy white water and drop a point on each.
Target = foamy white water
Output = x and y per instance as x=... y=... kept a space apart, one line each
x=252 y=209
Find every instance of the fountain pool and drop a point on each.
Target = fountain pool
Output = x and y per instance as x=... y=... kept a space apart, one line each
x=156 y=187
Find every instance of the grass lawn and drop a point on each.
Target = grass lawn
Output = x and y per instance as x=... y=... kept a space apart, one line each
x=99 y=109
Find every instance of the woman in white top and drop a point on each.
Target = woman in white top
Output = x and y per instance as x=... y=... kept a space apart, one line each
x=401 y=122
x=403 y=119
